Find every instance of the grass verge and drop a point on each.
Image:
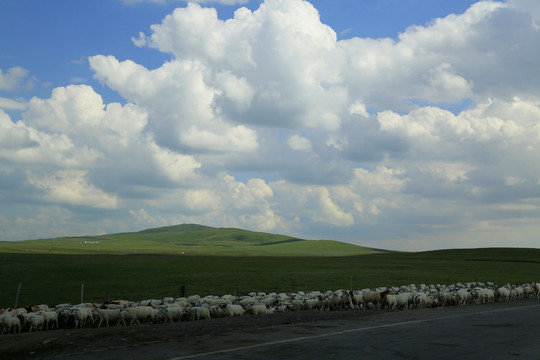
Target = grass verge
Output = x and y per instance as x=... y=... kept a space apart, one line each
x=56 y=278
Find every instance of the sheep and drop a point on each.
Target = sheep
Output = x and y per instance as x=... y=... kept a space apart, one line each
x=196 y=308
x=391 y=301
x=422 y=300
x=313 y=303
x=81 y=315
x=10 y=322
x=151 y=302
x=333 y=302
x=397 y=301
x=347 y=300
x=183 y=302
x=339 y=300
x=34 y=321
x=234 y=310
x=199 y=312
x=502 y=293
x=282 y=297
x=49 y=317
x=36 y=308
x=513 y=294
x=528 y=291
x=258 y=309
x=370 y=306
x=247 y=301
x=445 y=298
x=194 y=300
x=113 y=304
x=145 y=314
x=358 y=299
x=376 y=297
x=20 y=311
x=483 y=295
x=112 y=315
x=294 y=304
x=519 y=292
x=212 y=301
x=463 y=297
x=269 y=301
x=537 y=289
x=64 y=316
x=171 y=313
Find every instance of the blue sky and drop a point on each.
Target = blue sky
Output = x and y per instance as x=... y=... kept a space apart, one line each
x=402 y=124
x=54 y=39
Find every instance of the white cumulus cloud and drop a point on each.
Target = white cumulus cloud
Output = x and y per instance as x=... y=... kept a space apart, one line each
x=267 y=121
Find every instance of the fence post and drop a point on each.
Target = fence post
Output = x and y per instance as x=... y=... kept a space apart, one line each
x=17 y=296
x=182 y=291
x=82 y=293
x=351 y=282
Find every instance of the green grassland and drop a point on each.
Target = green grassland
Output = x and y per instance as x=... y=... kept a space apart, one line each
x=188 y=239
x=58 y=278
x=155 y=263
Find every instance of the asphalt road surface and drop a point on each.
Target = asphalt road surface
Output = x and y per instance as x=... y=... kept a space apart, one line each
x=492 y=331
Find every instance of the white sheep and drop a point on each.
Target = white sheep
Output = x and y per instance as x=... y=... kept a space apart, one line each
x=537 y=289
x=194 y=300
x=258 y=309
x=483 y=295
x=445 y=298
x=313 y=304
x=213 y=301
x=183 y=302
x=334 y=301
x=9 y=322
x=376 y=297
x=144 y=314
x=234 y=310
x=358 y=299
x=247 y=301
x=110 y=315
x=50 y=317
x=528 y=291
x=502 y=293
x=199 y=313
x=463 y=296
x=519 y=292
x=294 y=304
x=81 y=315
x=400 y=300
x=422 y=300
x=171 y=313
x=34 y=321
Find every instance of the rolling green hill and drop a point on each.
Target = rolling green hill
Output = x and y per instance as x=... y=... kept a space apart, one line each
x=189 y=239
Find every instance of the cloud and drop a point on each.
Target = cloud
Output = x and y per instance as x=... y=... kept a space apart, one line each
x=300 y=143
x=10 y=104
x=224 y=2
x=267 y=121
x=14 y=78
x=72 y=187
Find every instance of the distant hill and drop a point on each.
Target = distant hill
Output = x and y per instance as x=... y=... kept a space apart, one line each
x=189 y=239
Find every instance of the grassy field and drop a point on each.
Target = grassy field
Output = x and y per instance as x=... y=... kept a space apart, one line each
x=189 y=239
x=57 y=278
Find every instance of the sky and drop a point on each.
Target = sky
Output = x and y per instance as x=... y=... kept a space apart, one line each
x=398 y=124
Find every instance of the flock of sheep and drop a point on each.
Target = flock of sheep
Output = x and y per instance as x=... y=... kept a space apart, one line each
x=43 y=317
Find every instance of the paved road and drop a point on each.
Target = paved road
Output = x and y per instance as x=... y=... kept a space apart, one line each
x=492 y=331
